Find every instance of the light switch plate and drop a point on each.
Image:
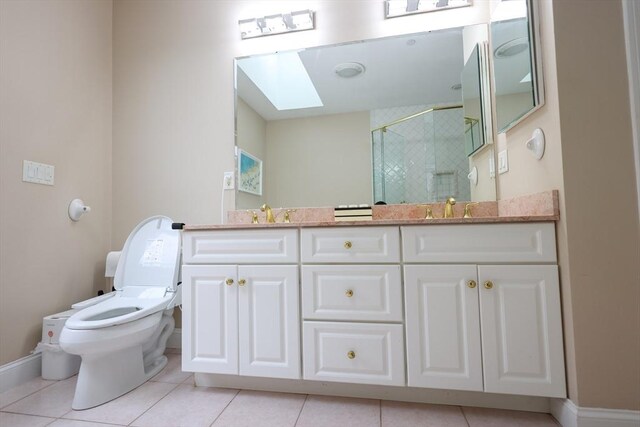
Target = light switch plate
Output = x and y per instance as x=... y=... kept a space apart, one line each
x=227 y=183
x=503 y=162
x=37 y=173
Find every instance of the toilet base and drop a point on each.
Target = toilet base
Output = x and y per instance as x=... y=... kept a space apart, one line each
x=106 y=376
x=109 y=376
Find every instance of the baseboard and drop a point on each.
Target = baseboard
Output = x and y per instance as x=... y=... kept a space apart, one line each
x=175 y=339
x=401 y=393
x=20 y=371
x=570 y=415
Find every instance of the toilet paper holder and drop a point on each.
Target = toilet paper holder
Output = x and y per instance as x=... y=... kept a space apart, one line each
x=77 y=208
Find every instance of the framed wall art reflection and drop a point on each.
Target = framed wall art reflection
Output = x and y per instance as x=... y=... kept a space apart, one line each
x=249 y=173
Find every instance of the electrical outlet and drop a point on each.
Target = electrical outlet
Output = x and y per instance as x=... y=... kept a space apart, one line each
x=503 y=162
x=227 y=183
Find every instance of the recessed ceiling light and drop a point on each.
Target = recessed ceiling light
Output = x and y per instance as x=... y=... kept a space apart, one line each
x=512 y=47
x=411 y=42
x=349 y=69
x=456 y=86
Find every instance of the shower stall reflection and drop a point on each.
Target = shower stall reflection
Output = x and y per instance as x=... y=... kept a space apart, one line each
x=420 y=157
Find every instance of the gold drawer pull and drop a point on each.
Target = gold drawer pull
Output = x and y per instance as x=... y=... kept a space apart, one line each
x=351 y=355
x=471 y=284
x=242 y=282
x=488 y=284
x=229 y=282
x=349 y=293
x=348 y=244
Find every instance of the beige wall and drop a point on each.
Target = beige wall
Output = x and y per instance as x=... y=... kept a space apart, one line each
x=600 y=197
x=252 y=137
x=589 y=158
x=319 y=161
x=55 y=108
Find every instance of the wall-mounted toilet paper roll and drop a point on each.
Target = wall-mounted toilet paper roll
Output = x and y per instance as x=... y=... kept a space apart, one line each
x=111 y=263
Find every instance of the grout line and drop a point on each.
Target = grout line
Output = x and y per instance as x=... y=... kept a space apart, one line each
x=301 y=408
x=30 y=394
x=465 y=416
x=159 y=400
x=225 y=407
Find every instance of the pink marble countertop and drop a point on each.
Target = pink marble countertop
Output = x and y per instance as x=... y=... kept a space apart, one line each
x=374 y=222
x=528 y=208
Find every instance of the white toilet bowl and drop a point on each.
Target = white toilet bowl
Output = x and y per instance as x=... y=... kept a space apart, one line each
x=122 y=339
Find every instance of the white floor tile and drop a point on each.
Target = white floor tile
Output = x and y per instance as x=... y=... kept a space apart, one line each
x=127 y=408
x=405 y=414
x=322 y=411
x=172 y=373
x=19 y=420
x=52 y=401
x=262 y=409
x=76 y=423
x=187 y=406
x=23 y=390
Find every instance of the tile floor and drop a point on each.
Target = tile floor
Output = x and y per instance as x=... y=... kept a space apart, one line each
x=170 y=399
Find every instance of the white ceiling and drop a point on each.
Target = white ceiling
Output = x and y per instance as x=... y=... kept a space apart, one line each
x=508 y=72
x=398 y=73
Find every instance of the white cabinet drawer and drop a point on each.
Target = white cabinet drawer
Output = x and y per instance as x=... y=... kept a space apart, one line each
x=532 y=242
x=350 y=244
x=240 y=246
x=352 y=292
x=354 y=353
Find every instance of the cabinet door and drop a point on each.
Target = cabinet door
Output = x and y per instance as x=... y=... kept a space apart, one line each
x=521 y=330
x=269 y=321
x=443 y=331
x=210 y=319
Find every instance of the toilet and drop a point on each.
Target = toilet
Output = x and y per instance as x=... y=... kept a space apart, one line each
x=122 y=338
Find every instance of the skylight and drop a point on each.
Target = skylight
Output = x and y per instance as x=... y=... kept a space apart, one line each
x=282 y=79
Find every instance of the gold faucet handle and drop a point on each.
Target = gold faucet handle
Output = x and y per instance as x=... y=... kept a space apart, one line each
x=254 y=217
x=287 y=215
x=467 y=209
x=428 y=213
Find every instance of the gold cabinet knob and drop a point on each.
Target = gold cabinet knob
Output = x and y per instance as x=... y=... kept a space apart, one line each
x=471 y=284
x=242 y=282
x=488 y=284
x=349 y=293
x=351 y=355
x=348 y=244
x=229 y=282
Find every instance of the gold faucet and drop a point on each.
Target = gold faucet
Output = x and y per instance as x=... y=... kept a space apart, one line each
x=269 y=213
x=467 y=209
x=448 y=207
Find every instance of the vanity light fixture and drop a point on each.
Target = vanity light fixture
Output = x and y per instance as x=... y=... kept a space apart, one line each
x=395 y=8
x=277 y=24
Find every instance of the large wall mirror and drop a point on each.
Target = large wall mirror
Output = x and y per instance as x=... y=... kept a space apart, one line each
x=516 y=63
x=363 y=122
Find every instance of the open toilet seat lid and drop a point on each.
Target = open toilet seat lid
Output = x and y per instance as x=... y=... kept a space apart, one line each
x=151 y=255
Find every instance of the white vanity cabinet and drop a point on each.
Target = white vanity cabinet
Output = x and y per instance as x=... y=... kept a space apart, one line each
x=351 y=277
x=493 y=327
x=241 y=318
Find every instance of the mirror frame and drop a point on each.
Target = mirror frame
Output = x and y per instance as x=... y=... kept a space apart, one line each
x=536 y=69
